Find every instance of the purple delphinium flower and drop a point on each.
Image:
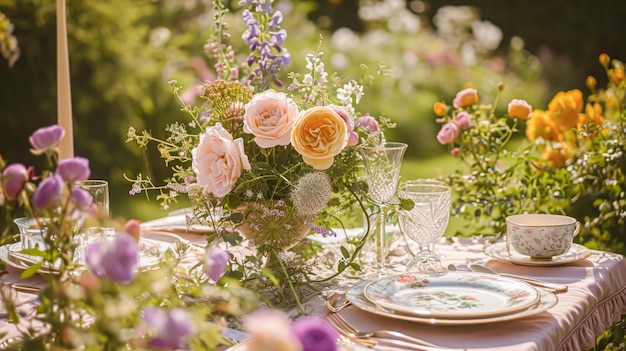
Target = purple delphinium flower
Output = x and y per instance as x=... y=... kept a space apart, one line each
x=74 y=169
x=15 y=176
x=117 y=261
x=315 y=334
x=48 y=192
x=216 y=262
x=172 y=328
x=81 y=197
x=46 y=137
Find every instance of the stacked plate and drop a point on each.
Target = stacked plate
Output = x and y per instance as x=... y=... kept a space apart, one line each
x=150 y=255
x=451 y=298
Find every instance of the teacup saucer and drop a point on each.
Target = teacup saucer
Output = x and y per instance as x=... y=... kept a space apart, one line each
x=499 y=251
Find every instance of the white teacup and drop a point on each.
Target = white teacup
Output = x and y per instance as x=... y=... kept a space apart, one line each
x=541 y=235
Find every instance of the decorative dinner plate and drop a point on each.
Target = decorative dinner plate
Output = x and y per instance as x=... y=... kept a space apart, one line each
x=357 y=298
x=451 y=294
x=499 y=251
x=150 y=254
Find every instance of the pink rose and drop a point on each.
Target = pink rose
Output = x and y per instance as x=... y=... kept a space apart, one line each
x=269 y=117
x=319 y=134
x=465 y=97
x=368 y=122
x=448 y=133
x=519 y=109
x=271 y=330
x=463 y=120
x=15 y=176
x=353 y=138
x=218 y=161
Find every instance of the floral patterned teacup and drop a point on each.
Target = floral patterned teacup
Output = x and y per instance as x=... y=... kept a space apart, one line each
x=541 y=236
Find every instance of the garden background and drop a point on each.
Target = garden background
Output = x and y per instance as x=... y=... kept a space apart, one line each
x=124 y=52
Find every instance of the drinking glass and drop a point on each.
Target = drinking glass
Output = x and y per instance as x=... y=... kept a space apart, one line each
x=382 y=171
x=426 y=222
x=99 y=190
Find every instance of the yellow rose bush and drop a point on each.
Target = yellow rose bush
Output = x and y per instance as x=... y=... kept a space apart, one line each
x=571 y=160
x=265 y=162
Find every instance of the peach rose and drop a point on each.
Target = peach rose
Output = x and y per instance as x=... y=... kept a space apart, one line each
x=269 y=117
x=565 y=108
x=319 y=134
x=519 y=109
x=465 y=97
x=218 y=161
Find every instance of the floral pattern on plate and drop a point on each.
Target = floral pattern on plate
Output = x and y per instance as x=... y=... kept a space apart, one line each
x=451 y=294
x=355 y=295
x=498 y=250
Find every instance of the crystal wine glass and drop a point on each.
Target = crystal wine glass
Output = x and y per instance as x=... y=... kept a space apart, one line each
x=382 y=171
x=426 y=222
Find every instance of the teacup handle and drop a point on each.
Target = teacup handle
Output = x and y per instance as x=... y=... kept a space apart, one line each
x=577 y=228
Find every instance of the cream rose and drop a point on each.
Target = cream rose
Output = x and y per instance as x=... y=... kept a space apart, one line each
x=269 y=117
x=319 y=134
x=218 y=161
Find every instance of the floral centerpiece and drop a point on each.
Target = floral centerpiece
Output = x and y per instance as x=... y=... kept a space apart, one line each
x=567 y=158
x=268 y=160
x=108 y=301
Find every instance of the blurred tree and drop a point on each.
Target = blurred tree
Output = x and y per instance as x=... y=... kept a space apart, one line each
x=122 y=54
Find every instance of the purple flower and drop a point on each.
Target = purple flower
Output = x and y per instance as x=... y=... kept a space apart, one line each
x=74 y=169
x=81 y=197
x=46 y=137
x=48 y=192
x=117 y=262
x=368 y=122
x=315 y=334
x=15 y=176
x=215 y=266
x=172 y=328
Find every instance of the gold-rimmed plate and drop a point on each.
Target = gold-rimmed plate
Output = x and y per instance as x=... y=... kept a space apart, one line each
x=355 y=295
x=451 y=294
x=499 y=251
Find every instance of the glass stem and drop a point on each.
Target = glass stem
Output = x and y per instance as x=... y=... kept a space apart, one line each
x=381 y=247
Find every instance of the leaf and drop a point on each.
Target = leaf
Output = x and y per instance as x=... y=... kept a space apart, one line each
x=341 y=266
x=355 y=266
x=268 y=273
x=232 y=238
x=345 y=252
x=33 y=252
x=407 y=204
x=30 y=271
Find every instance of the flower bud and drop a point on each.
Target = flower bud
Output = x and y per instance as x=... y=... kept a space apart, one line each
x=133 y=228
x=74 y=169
x=216 y=260
x=440 y=108
x=463 y=120
x=448 y=133
x=49 y=192
x=368 y=122
x=455 y=152
x=15 y=176
x=46 y=137
x=604 y=59
x=591 y=82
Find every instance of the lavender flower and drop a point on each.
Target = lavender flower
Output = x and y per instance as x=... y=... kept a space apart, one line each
x=215 y=265
x=315 y=334
x=81 y=197
x=117 y=262
x=172 y=328
x=49 y=192
x=74 y=169
x=15 y=176
x=46 y=137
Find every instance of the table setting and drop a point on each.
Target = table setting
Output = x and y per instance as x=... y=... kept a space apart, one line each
x=302 y=231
